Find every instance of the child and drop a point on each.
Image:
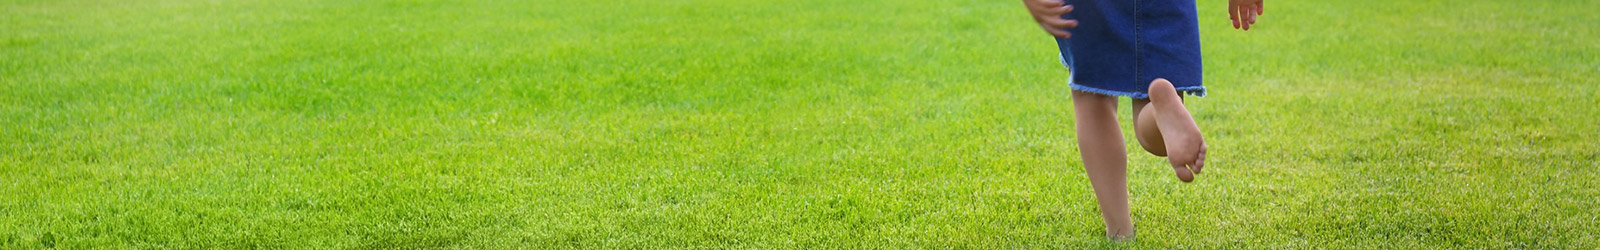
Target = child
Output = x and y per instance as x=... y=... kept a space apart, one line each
x=1148 y=50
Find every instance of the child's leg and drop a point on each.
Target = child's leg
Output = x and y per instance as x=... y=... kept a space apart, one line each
x=1105 y=158
x=1144 y=128
x=1184 y=147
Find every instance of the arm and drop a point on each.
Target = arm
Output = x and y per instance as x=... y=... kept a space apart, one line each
x=1048 y=14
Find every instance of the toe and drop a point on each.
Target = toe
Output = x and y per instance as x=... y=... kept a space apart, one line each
x=1181 y=159
x=1183 y=166
x=1183 y=173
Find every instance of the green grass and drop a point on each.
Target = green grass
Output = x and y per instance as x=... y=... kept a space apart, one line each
x=773 y=124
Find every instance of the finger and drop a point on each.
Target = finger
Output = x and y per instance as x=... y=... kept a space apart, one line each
x=1058 y=22
x=1233 y=14
x=1051 y=3
x=1033 y=4
x=1056 y=12
x=1250 y=15
x=1063 y=10
x=1261 y=8
x=1056 y=32
x=1244 y=16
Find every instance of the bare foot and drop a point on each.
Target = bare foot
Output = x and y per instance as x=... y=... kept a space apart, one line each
x=1120 y=237
x=1186 y=150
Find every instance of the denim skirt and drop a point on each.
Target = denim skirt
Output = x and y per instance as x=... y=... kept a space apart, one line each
x=1120 y=46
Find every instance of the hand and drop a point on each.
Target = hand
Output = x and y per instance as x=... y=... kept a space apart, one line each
x=1244 y=12
x=1048 y=14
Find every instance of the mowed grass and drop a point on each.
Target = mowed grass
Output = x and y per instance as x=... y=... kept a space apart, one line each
x=774 y=124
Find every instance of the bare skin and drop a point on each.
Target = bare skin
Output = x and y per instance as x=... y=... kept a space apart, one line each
x=1162 y=123
x=1185 y=148
x=1105 y=158
x=1242 y=12
x=1144 y=128
x=1103 y=150
x=1048 y=14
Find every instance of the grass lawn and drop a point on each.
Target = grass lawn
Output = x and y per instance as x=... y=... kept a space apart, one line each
x=774 y=124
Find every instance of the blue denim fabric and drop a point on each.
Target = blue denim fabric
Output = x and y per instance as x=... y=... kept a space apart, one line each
x=1120 y=46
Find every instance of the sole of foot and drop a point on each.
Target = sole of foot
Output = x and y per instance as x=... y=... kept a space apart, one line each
x=1186 y=149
